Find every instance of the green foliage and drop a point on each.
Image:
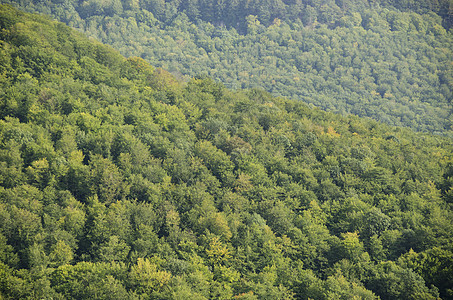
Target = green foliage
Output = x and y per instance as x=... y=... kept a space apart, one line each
x=118 y=180
x=387 y=60
x=434 y=265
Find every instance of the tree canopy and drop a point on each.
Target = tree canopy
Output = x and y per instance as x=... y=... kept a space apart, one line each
x=387 y=60
x=120 y=181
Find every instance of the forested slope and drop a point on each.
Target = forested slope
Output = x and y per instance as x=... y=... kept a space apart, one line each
x=387 y=60
x=118 y=181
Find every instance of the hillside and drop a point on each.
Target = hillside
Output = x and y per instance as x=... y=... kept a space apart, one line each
x=119 y=181
x=390 y=60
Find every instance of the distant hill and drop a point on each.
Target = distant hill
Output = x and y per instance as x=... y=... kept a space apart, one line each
x=390 y=60
x=119 y=181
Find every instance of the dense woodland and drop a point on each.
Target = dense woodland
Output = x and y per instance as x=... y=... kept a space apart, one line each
x=119 y=181
x=387 y=60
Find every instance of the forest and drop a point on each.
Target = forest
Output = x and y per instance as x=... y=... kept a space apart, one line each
x=119 y=180
x=385 y=60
